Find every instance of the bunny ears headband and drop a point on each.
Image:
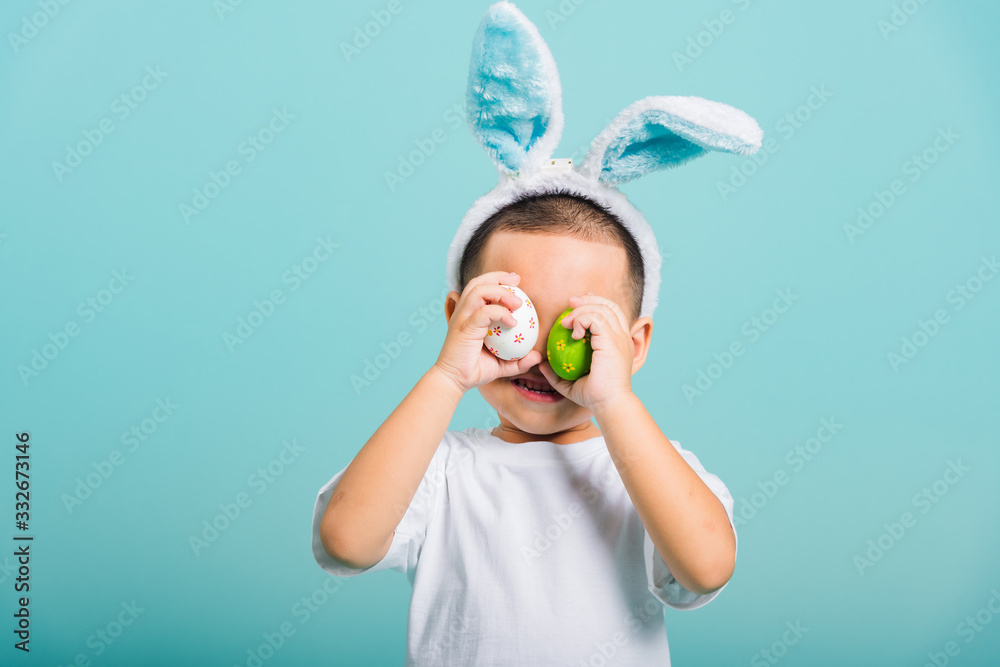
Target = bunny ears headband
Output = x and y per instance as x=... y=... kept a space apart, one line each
x=514 y=109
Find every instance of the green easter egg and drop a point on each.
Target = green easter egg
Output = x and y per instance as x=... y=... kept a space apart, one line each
x=568 y=357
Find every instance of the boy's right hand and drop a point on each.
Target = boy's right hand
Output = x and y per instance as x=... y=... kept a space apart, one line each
x=464 y=358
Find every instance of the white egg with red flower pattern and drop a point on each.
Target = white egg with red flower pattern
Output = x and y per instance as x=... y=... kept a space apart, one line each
x=514 y=342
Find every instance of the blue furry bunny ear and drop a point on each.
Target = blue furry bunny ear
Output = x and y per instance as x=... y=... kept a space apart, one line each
x=667 y=131
x=513 y=99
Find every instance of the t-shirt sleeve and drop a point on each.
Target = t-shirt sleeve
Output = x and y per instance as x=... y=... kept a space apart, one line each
x=661 y=582
x=409 y=537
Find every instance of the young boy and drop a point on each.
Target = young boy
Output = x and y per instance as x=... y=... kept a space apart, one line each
x=549 y=540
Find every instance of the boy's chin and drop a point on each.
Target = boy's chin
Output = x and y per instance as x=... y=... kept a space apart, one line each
x=544 y=418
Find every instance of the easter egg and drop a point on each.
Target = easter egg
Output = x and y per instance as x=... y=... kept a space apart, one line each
x=514 y=342
x=569 y=358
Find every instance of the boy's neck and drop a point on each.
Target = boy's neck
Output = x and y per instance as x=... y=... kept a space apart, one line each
x=513 y=435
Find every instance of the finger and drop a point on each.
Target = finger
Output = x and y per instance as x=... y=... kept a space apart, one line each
x=568 y=320
x=511 y=367
x=594 y=299
x=509 y=298
x=522 y=365
x=581 y=324
x=579 y=320
x=488 y=314
x=579 y=304
x=494 y=278
x=594 y=320
x=592 y=303
x=472 y=297
x=489 y=295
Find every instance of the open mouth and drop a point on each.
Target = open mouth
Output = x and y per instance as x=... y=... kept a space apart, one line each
x=536 y=387
x=539 y=391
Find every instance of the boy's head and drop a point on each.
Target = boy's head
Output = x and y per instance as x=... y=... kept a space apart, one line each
x=560 y=246
x=562 y=214
x=565 y=245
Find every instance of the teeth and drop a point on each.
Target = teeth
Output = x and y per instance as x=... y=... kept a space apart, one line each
x=524 y=383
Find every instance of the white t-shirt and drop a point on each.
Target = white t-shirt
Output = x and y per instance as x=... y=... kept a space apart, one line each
x=528 y=554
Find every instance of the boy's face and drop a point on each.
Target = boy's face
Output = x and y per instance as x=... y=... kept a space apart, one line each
x=552 y=269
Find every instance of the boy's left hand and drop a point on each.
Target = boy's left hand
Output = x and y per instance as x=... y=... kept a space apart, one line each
x=610 y=373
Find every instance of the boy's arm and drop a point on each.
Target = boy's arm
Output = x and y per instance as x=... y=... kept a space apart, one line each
x=377 y=487
x=686 y=522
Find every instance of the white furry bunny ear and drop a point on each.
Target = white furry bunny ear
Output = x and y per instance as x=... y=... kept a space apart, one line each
x=661 y=132
x=513 y=99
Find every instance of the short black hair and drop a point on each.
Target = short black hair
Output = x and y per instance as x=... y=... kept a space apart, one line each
x=559 y=213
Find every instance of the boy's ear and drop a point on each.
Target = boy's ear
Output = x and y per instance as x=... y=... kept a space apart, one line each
x=513 y=99
x=666 y=131
x=642 y=333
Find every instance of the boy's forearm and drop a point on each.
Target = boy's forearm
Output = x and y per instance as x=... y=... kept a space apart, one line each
x=685 y=520
x=378 y=485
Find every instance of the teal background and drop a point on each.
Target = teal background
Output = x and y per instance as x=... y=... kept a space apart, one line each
x=324 y=176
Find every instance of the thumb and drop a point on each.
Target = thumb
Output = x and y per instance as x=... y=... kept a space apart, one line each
x=512 y=367
x=558 y=383
x=528 y=360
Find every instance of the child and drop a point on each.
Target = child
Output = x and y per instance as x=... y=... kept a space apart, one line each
x=549 y=540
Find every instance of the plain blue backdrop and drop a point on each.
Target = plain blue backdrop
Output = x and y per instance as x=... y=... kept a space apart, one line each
x=168 y=169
